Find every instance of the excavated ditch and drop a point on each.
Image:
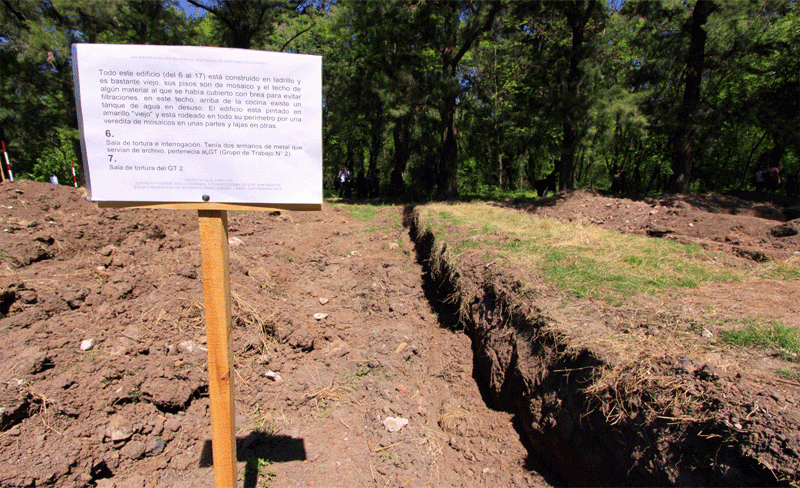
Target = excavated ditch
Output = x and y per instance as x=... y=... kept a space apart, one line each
x=526 y=368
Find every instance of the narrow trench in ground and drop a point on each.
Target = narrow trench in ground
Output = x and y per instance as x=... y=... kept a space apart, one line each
x=443 y=298
x=568 y=441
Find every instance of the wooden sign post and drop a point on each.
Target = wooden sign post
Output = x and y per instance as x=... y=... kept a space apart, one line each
x=206 y=129
x=217 y=293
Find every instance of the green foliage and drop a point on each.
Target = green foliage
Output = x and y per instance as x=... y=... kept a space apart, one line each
x=38 y=120
x=446 y=98
x=265 y=473
x=747 y=113
x=785 y=339
x=244 y=25
x=260 y=469
x=57 y=158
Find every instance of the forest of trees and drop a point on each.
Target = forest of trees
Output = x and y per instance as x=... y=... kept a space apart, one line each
x=454 y=98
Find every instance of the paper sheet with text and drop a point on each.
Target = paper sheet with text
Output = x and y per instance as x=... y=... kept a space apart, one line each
x=194 y=124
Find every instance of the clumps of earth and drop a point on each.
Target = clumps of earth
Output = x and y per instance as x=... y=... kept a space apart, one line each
x=349 y=369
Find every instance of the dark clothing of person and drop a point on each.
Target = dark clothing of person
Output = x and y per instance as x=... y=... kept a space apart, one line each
x=345 y=179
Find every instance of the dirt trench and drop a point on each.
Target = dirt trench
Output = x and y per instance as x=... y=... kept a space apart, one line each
x=525 y=367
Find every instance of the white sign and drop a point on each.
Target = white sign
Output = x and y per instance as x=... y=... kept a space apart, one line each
x=194 y=124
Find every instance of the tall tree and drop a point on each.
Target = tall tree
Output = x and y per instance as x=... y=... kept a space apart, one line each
x=355 y=97
x=578 y=14
x=452 y=29
x=498 y=133
x=37 y=93
x=752 y=94
x=37 y=105
x=563 y=37
x=151 y=22
x=683 y=140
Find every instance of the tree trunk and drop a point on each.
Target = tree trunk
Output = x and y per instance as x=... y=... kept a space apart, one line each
x=456 y=44
x=376 y=141
x=500 y=170
x=448 y=162
x=448 y=187
x=578 y=15
x=683 y=139
x=565 y=166
x=402 y=151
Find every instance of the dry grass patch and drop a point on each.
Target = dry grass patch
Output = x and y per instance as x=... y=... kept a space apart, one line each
x=451 y=419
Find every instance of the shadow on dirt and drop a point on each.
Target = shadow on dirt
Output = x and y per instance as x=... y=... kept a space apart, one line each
x=258 y=450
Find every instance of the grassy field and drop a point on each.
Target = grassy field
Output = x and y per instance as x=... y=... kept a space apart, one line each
x=593 y=263
x=586 y=260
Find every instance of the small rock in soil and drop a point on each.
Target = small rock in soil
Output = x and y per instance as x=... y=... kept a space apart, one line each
x=133 y=450
x=154 y=447
x=191 y=347
x=119 y=428
x=393 y=424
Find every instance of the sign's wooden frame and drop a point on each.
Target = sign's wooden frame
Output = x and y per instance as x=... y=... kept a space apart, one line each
x=217 y=300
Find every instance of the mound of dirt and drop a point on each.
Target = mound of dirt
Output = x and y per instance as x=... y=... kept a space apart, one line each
x=344 y=373
x=757 y=230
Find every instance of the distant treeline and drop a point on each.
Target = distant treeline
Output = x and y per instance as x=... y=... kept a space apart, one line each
x=439 y=99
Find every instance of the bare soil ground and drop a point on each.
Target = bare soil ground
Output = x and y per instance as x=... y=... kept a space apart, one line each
x=345 y=375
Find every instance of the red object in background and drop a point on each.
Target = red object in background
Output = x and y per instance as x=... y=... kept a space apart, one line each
x=8 y=165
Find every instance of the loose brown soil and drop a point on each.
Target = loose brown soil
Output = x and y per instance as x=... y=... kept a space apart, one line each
x=338 y=325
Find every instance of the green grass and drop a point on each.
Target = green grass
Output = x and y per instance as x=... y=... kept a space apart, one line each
x=265 y=474
x=450 y=218
x=791 y=374
x=492 y=193
x=585 y=260
x=260 y=469
x=782 y=270
x=362 y=213
x=383 y=229
x=352 y=377
x=134 y=394
x=367 y=212
x=773 y=335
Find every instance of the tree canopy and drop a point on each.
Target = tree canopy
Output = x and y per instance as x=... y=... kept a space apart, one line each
x=448 y=99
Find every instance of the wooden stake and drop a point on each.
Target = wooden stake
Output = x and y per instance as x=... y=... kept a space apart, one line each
x=217 y=297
